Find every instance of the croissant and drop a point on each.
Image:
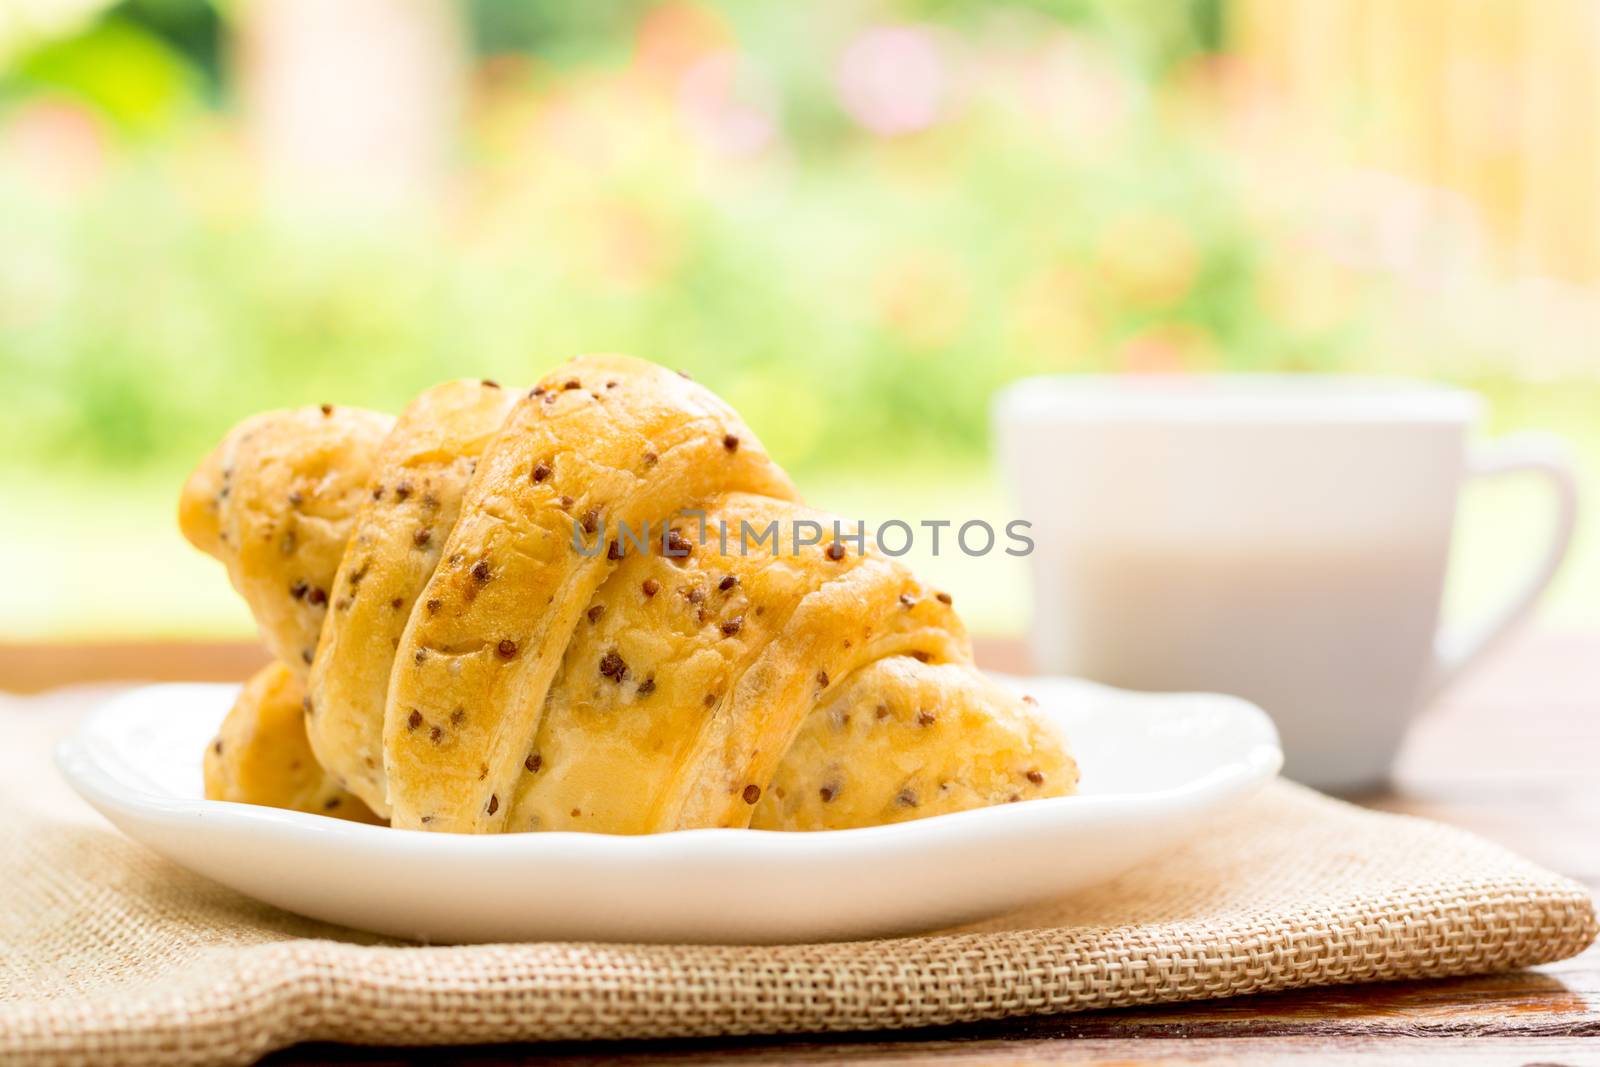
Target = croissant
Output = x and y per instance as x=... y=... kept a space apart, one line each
x=484 y=638
x=262 y=755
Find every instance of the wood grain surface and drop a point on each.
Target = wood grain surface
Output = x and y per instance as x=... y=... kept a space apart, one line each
x=1513 y=753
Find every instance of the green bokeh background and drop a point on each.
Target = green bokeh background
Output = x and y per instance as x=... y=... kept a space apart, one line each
x=859 y=297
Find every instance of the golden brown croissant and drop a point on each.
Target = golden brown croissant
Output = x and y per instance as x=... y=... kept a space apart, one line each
x=499 y=650
x=261 y=755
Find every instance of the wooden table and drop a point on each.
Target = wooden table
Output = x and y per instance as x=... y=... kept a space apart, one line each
x=1512 y=754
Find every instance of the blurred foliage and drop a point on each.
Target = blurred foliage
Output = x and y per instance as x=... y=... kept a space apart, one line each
x=190 y=28
x=559 y=33
x=856 y=292
x=853 y=220
x=127 y=73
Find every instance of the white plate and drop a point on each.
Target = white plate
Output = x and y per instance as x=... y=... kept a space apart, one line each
x=1155 y=768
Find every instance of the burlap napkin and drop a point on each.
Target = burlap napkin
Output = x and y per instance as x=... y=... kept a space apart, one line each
x=109 y=954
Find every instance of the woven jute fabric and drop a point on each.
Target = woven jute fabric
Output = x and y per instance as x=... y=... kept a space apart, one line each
x=111 y=955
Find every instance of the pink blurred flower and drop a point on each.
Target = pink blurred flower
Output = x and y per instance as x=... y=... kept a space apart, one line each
x=58 y=143
x=1171 y=348
x=729 y=105
x=893 y=80
x=673 y=37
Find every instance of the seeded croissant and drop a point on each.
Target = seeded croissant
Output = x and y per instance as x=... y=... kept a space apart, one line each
x=261 y=755
x=485 y=639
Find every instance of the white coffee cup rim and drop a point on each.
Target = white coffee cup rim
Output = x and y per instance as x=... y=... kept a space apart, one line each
x=1207 y=398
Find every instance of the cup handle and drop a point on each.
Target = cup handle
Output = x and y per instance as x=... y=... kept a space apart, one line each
x=1458 y=647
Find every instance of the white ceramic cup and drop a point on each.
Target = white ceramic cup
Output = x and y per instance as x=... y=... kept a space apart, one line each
x=1281 y=538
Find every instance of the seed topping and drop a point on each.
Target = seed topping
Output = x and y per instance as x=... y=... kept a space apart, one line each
x=613 y=666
